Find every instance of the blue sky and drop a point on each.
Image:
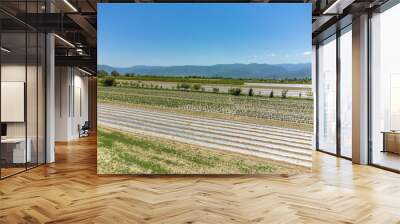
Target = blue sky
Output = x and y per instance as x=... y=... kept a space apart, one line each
x=203 y=34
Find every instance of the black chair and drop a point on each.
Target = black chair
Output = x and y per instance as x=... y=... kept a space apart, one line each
x=84 y=130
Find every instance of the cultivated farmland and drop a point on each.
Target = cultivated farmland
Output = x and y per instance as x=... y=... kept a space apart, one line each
x=158 y=130
x=294 y=90
x=280 y=144
x=288 y=112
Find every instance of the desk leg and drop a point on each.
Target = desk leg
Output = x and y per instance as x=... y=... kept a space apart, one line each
x=384 y=142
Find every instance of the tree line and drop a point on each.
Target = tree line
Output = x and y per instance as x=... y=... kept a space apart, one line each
x=200 y=79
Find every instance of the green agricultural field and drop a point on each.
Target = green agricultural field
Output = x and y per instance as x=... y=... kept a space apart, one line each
x=123 y=153
x=292 y=113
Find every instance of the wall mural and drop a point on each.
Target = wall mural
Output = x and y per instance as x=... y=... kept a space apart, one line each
x=204 y=88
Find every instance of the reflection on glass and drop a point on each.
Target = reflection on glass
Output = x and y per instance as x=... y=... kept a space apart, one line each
x=14 y=150
x=346 y=92
x=327 y=96
x=385 y=93
x=22 y=91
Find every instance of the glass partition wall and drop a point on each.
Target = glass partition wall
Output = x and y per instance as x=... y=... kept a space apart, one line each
x=345 y=91
x=334 y=81
x=22 y=78
x=385 y=89
x=13 y=88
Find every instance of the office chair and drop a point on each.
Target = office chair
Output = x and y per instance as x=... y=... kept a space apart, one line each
x=84 y=130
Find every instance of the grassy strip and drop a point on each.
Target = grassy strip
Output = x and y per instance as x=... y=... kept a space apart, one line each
x=157 y=149
x=128 y=153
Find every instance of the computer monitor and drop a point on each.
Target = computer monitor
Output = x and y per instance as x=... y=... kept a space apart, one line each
x=3 y=129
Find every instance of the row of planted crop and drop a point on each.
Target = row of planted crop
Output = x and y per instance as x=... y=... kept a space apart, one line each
x=258 y=110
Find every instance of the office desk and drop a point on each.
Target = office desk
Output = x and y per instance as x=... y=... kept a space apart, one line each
x=13 y=150
x=391 y=141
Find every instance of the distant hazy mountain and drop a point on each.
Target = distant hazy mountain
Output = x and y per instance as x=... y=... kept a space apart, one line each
x=246 y=71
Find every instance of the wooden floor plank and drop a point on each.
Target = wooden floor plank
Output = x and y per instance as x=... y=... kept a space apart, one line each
x=70 y=191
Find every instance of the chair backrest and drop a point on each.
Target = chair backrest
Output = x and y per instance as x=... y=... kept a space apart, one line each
x=86 y=125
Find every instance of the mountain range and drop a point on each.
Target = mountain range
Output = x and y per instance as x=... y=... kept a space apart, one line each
x=244 y=71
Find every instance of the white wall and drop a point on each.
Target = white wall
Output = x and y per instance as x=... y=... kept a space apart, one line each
x=79 y=110
x=82 y=82
x=70 y=84
x=13 y=72
x=62 y=82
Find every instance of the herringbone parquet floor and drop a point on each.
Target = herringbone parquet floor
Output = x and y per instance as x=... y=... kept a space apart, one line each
x=69 y=191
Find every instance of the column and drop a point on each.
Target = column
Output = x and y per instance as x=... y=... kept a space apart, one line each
x=360 y=90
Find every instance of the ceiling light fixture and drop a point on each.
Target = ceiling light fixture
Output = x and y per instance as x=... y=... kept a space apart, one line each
x=70 y=5
x=5 y=50
x=79 y=51
x=86 y=72
x=337 y=7
x=333 y=6
x=64 y=40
